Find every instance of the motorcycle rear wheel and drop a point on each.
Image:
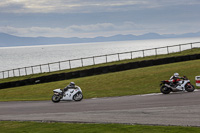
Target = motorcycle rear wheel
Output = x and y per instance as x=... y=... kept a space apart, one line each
x=189 y=87
x=55 y=98
x=165 y=90
x=78 y=96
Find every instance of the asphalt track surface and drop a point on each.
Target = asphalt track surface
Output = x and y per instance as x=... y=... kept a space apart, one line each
x=181 y=109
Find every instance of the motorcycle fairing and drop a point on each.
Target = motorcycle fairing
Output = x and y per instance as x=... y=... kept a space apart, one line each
x=69 y=94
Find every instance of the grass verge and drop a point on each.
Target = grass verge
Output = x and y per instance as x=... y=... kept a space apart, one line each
x=130 y=82
x=37 y=127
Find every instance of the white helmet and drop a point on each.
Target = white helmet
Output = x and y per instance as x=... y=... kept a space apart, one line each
x=176 y=74
x=72 y=84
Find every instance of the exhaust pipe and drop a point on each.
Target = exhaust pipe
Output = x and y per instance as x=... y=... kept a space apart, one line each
x=174 y=89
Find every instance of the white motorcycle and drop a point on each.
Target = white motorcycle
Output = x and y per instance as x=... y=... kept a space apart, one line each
x=182 y=85
x=69 y=95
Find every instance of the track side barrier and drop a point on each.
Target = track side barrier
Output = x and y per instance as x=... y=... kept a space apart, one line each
x=99 y=70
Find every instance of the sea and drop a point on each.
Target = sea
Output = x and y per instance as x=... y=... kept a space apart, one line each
x=25 y=56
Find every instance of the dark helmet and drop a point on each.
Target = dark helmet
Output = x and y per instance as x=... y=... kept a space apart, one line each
x=72 y=84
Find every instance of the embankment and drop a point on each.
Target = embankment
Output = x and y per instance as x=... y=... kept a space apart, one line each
x=99 y=70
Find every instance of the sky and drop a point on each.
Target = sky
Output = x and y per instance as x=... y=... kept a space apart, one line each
x=92 y=18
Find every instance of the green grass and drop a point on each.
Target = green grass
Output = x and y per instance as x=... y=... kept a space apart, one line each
x=186 y=52
x=131 y=82
x=37 y=127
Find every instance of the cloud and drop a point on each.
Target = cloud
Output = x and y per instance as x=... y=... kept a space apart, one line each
x=86 y=6
x=61 y=6
x=8 y=6
x=91 y=18
x=91 y=28
x=101 y=29
x=75 y=30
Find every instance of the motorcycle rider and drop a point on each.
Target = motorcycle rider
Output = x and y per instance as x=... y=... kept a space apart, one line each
x=174 y=79
x=70 y=86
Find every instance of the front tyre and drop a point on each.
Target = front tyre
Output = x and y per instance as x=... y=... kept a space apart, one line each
x=55 y=98
x=78 y=96
x=189 y=87
x=165 y=90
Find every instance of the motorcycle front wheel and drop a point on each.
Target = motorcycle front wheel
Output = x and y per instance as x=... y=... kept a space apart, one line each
x=78 y=96
x=165 y=90
x=189 y=87
x=55 y=98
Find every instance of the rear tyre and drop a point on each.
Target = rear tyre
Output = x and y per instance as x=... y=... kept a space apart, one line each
x=165 y=90
x=78 y=96
x=55 y=98
x=189 y=87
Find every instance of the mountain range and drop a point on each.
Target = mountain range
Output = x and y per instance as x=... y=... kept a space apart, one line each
x=7 y=40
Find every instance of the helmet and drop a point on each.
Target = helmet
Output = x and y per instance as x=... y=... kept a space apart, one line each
x=72 y=84
x=176 y=74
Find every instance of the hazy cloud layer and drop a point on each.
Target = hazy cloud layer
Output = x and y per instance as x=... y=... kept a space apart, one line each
x=90 y=18
x=86 y=6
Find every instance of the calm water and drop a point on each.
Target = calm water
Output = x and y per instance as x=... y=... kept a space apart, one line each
x=16 y=57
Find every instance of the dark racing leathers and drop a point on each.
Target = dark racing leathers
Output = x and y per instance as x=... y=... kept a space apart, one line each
x=68 y=87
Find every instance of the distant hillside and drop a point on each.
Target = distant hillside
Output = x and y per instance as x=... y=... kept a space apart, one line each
x=7 y=40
